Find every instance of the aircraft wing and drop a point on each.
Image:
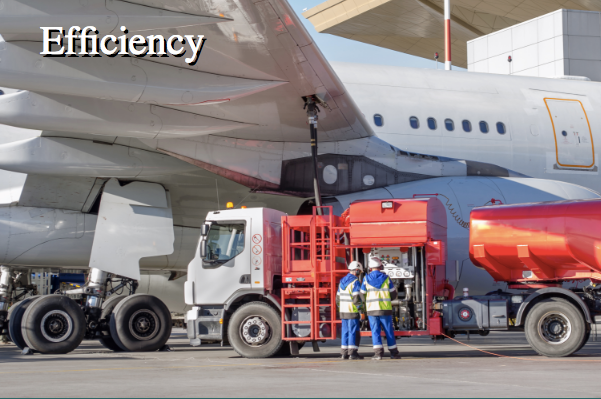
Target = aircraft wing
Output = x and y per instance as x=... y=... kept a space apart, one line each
x=257 y=64
x=237 y=113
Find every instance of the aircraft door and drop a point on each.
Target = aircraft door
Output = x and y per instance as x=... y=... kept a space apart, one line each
x=573 y=136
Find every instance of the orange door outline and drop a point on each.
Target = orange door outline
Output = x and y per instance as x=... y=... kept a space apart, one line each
x=590 y=132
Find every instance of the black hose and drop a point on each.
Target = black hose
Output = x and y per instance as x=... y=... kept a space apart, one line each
x=315 y=164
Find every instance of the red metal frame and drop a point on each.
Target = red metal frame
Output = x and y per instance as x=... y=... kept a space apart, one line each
x=314 y=257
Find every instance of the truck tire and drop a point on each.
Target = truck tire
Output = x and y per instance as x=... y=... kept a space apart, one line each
x=555 y=328
x=53 y=324
x=587 y=335
x=15 y=318
x=141 y=323
x=107 y=310
x=255 y=331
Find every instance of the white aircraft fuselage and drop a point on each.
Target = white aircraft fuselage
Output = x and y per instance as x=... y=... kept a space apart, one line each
x=551 y=125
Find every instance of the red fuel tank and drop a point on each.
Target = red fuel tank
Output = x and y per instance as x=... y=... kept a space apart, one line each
x=531 y=243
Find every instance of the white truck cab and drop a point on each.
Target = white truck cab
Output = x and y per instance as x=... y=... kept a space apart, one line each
x=238 y=261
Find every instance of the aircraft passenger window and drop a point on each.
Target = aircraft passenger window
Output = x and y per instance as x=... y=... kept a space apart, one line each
x=483 y=127
x=414 y=122
x=501 y=128
x=467 y=126
x=223 y=243
x=379 y=120
x=449 y=124
x=1 y=92
x=432 y=123
x=564 y=133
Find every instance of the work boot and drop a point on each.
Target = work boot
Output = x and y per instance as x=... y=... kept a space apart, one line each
x=378 y=354
x=394 y=354
x=344 y=354
x=354 y=355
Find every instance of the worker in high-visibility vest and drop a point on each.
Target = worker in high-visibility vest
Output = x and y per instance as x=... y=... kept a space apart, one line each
x=378 y=292
x=350 y=305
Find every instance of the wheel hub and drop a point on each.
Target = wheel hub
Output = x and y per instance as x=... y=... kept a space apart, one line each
x=56 y=326
x=255 y=331
x=144 y=324
x=554 y=328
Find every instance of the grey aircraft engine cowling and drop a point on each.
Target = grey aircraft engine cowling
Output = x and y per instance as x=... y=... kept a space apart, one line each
x=55 y=238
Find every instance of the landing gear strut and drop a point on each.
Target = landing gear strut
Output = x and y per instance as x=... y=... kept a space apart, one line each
x=5 y=293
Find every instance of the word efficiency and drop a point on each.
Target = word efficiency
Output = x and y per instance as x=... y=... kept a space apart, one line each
x=138 y=45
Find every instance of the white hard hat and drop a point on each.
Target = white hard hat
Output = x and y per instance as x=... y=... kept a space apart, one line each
x=354 y=265
x=374 y=263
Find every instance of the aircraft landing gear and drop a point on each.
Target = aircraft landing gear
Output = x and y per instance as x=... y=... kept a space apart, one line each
x=5 y=293
x=57 y=324
x=53 y=324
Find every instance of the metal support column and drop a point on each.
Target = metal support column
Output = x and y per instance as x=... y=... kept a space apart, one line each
x=447 y=35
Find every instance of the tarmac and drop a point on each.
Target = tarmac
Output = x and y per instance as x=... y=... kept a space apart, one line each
x=428 y=369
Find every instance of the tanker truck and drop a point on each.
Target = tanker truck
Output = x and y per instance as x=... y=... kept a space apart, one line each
x=265 y=282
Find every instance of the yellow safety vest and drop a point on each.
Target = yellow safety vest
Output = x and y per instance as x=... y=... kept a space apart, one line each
x=346 y=298
x=378 y=298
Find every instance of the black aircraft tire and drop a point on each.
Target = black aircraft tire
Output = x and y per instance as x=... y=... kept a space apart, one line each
x=53 y=324
x=107 y=309
x=141 y=323
x=15 y=317
x=555 y=328
x=266 y=317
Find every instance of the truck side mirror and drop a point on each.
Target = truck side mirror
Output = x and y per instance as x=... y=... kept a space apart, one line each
x=204 y=230
x=203 y=249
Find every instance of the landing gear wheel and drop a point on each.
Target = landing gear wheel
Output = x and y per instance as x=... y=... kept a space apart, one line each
x=15 y=317
x=53 y=324
x=555 y=328
x=255 y=331
x=140 y=323
x=107 y=309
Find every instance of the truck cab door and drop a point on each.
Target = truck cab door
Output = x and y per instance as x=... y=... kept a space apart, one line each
x=225 y=266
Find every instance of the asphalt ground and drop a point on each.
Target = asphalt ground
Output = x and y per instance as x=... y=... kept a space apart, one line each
x=441 y=369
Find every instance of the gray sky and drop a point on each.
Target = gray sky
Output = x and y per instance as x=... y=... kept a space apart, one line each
x=339 y=49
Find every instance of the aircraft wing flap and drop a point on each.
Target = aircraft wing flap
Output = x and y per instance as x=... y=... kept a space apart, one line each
x=69 y=193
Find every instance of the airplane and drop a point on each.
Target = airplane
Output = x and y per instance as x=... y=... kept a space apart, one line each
x=109 y=165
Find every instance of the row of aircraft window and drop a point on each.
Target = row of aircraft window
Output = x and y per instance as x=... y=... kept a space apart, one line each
x=448 y=123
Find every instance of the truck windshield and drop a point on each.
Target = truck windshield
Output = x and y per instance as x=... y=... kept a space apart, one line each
x=224 y=242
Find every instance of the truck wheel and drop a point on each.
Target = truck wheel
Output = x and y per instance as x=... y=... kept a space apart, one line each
x=15 y=317
x=53 y=324
x=107 y=309
x=555 y=328
x=587 y=335
x=141 y=323
x=255 y=331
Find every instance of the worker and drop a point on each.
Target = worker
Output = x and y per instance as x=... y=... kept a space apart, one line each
x=350 y=304
x=378 y=292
